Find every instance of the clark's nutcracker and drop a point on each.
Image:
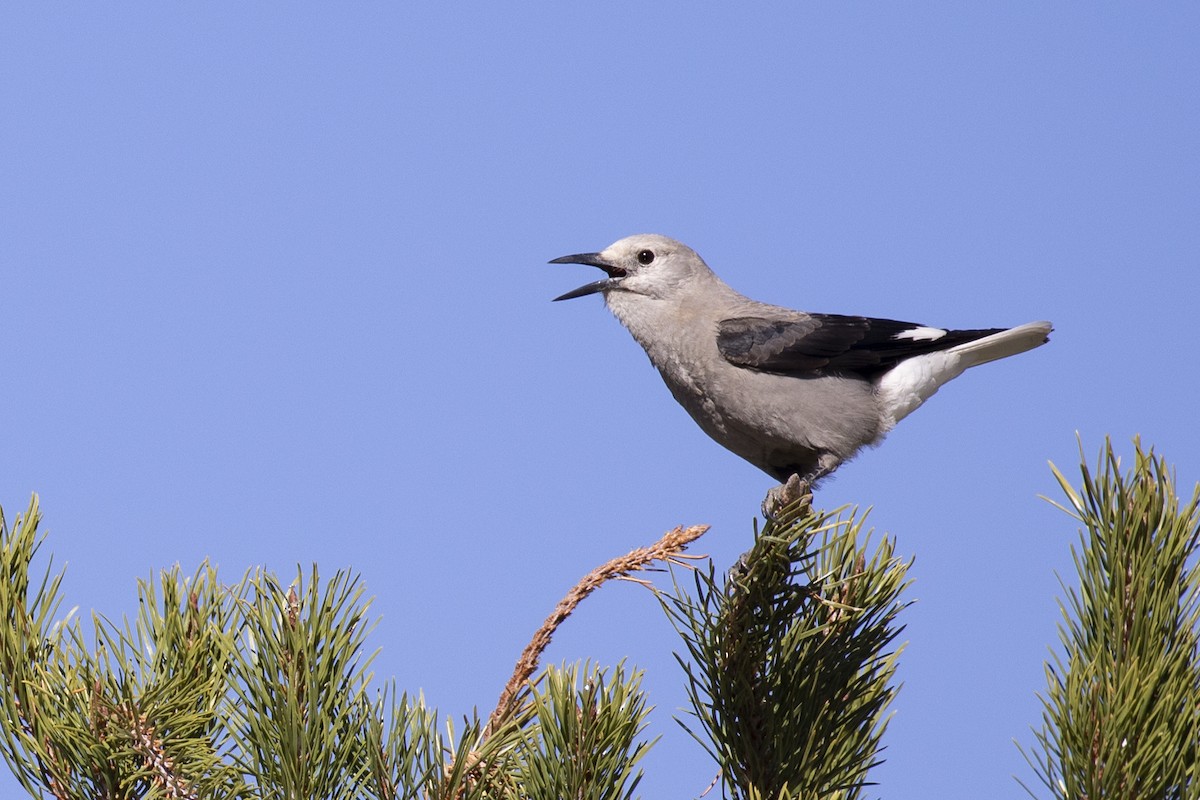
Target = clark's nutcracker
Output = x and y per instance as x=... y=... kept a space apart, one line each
x=791 y=392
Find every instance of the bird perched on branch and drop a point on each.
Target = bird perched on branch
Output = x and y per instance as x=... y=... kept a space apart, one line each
x=792 y=392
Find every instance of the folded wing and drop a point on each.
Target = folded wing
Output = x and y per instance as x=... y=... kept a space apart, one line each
x=821 y=344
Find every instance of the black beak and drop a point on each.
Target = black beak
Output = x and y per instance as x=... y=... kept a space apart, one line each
x=614 y=272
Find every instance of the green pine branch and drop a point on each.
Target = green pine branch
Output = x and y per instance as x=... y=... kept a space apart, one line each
x=585 y=740
x=298 y=686
x=1121 y=712
x=131 y=714
x=788 y=666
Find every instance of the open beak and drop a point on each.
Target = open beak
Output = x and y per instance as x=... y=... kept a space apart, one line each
x=614 y=272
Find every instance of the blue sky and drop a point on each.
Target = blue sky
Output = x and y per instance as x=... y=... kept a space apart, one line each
x=275 y=292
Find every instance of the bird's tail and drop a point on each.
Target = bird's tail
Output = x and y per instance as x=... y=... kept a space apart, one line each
x=1003 y=344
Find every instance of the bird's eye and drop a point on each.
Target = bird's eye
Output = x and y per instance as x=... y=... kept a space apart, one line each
x=645 y=256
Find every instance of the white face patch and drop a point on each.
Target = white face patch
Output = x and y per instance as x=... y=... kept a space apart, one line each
x=921 y=334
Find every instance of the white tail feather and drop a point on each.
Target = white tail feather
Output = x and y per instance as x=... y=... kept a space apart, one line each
x=1003 y=344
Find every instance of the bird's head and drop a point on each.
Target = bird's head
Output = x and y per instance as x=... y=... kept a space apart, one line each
x=645 y=264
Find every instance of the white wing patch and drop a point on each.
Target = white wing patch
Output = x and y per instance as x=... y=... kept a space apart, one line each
x=921 y=334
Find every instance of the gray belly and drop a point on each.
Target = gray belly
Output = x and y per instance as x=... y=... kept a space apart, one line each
x=783 y=425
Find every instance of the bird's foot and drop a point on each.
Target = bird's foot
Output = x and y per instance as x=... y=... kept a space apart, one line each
x=780 y=497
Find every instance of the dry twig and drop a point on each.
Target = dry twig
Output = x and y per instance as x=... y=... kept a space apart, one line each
x=668 y=549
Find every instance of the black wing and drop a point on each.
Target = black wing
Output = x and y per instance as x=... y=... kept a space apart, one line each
x=831 y=343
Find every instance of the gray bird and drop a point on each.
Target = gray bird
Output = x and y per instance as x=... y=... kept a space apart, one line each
x=793 y=393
